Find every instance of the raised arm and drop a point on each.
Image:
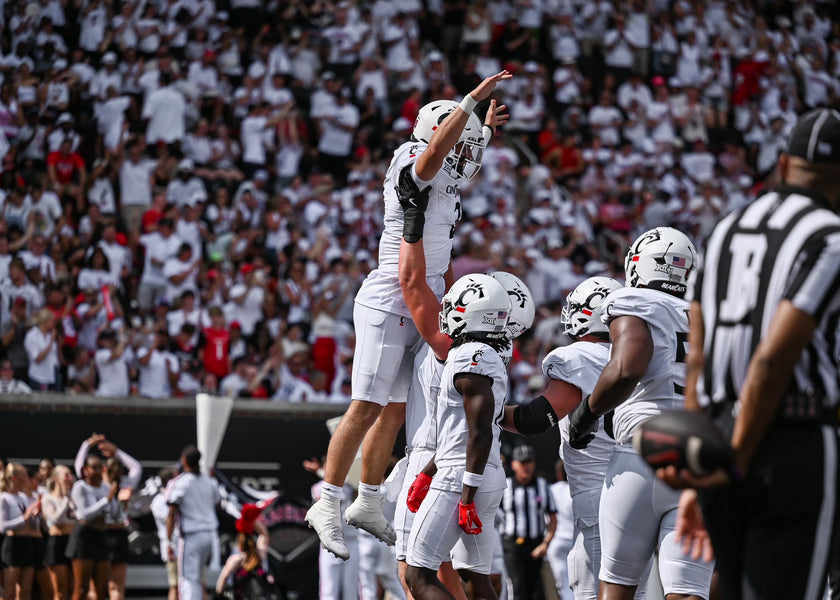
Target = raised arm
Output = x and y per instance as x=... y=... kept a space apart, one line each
x=446 y=135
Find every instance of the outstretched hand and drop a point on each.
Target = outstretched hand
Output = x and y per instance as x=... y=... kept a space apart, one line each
x=483 y=90
x=496 y=116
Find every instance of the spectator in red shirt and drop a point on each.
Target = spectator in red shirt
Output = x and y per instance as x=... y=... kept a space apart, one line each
x=66 y=173
x=215 y=344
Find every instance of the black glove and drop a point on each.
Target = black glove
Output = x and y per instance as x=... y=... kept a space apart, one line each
x=414 y=203
x=583 y=424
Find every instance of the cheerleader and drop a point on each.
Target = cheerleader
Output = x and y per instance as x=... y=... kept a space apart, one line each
x=93 y=499
x=60 y=516
x=19 y=522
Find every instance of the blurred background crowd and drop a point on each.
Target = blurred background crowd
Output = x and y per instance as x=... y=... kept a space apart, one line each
x=191 y=189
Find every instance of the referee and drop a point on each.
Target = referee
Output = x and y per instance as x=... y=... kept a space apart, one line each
x=527 y=504
x=764 y=357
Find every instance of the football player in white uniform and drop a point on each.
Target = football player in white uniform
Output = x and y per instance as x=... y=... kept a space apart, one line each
x=645 y=375
x=571 y=373
x=421 y=425
x=399 y=301
x=468 y=479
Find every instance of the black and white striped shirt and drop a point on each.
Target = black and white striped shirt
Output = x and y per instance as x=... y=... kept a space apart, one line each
x=786 y=245
x=526 y=508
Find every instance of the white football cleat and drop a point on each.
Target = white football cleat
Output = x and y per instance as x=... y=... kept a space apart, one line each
x=366 y=513
x=327 y=524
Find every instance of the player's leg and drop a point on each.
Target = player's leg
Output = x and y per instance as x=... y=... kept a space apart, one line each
x=433 y=534
x=628 y=524
x=366 y=510
x=382 y=340
x=472 y=556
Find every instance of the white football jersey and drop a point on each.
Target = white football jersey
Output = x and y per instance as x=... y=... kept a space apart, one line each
x=663 y=385
x=452 y=430
x=381 y=288
x=580 y=364
x=420 y=421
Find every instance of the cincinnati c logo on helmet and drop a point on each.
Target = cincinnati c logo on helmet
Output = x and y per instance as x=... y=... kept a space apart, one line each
x=517 y=297
x=471 y=290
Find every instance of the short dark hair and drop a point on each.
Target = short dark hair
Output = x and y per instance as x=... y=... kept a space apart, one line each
x=191 y=456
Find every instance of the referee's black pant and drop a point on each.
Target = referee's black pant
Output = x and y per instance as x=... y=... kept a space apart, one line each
x=524 y=571
x=772 y=531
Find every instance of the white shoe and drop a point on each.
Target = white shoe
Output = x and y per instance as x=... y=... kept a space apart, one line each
x=327 y=524
x=367 y=514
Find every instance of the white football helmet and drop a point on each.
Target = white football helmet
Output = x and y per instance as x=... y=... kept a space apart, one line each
x=464 y=160
x=582 y=313
x=522 y=307
x=660 y=259
x=476 y=304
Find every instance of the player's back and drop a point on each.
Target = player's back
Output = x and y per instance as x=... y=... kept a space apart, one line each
x=662 y=385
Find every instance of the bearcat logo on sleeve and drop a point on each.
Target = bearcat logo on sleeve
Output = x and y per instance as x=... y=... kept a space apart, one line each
x=476 y=357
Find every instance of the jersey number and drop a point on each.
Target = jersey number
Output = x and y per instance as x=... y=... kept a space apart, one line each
x=747 y=251
x=682 y=344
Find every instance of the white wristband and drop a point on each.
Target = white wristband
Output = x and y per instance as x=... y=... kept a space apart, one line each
x=472 y=479
x=487 y=134
x=468 y=104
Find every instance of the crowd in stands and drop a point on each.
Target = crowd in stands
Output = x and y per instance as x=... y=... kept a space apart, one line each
x=191 y=189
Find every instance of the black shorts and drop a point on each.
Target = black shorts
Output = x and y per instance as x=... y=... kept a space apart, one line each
x=116 y=545
x=18 y=551
x=56 y=547
x=86 y=543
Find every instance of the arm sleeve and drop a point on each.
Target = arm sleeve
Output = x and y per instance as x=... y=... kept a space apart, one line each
x=135 y=471
x=81 y=457
x=54 y=512
x=85 y=511
x=7 y=522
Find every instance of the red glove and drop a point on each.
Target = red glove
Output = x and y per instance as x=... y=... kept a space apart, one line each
x=468 y=518
x=418 y=491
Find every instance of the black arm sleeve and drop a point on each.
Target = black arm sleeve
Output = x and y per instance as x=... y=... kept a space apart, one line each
x=535 y=417
x=414 y=203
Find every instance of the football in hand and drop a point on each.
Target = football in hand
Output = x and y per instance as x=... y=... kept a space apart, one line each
x=684 y=439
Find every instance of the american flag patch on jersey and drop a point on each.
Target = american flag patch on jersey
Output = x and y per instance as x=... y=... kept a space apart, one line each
x=678 y=261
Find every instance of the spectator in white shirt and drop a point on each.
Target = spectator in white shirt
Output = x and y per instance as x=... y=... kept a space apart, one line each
x=35 y=257
x=184 y=187
x=605 y=120
x=8 y=383
x=181 y=273
x=45 y=207
x=135 y=187
x=41 y=343
x=110 y=118
x=159 y=246
x=253 y=132
x=338 y=130
x=619 y=55
x=111 y=360
x=165 y=109
x=158 y=368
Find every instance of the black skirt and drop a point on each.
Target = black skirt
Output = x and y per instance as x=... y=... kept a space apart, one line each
x=18 y=551
x=116 y=544
x=86 y=543
x=56 y=549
